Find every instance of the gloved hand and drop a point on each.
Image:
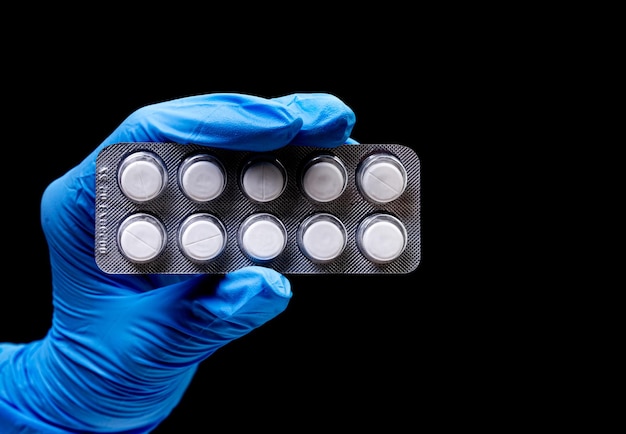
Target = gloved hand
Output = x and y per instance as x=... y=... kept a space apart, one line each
x=122 y=349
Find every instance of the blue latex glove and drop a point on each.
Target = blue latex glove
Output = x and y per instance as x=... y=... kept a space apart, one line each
x=122 y=349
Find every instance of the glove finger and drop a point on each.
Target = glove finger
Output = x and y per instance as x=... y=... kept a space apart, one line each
x=243 y=122
x=327 y=121
x=223 y=120
x=241 y=301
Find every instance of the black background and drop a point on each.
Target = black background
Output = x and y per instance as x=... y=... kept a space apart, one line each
x=348 y=349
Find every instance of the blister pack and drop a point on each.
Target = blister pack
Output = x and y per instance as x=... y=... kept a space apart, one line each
x=169 y=208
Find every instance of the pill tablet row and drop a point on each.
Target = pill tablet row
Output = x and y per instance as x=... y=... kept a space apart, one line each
x=173 y=208
x=381 y=177
x=321 y=237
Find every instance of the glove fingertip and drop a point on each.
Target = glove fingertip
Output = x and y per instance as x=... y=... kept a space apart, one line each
x=327 y=120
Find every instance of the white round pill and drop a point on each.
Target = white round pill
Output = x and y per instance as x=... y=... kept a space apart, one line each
x=263 y=180
x=202 y=178
x=141 y=176
x=381 y=238
x=202 y=237
x=381 y=178
x=141 y=238
x=322 y=237
x=262 y=237
x=324 y=179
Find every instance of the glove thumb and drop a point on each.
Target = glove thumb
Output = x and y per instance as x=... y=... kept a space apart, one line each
x=214 y=314
x=244 y=300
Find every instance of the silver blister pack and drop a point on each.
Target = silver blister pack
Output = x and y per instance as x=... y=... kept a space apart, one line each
x=169 y=208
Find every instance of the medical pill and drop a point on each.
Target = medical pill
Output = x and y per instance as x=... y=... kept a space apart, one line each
x=202 y=237
x=381 y=238
x=201 y=177
x=142 y=176
x=322 y=237
x=263 y=179
x=141 y=237
x=324 y=178
x=262 y=237
x=381 y=178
